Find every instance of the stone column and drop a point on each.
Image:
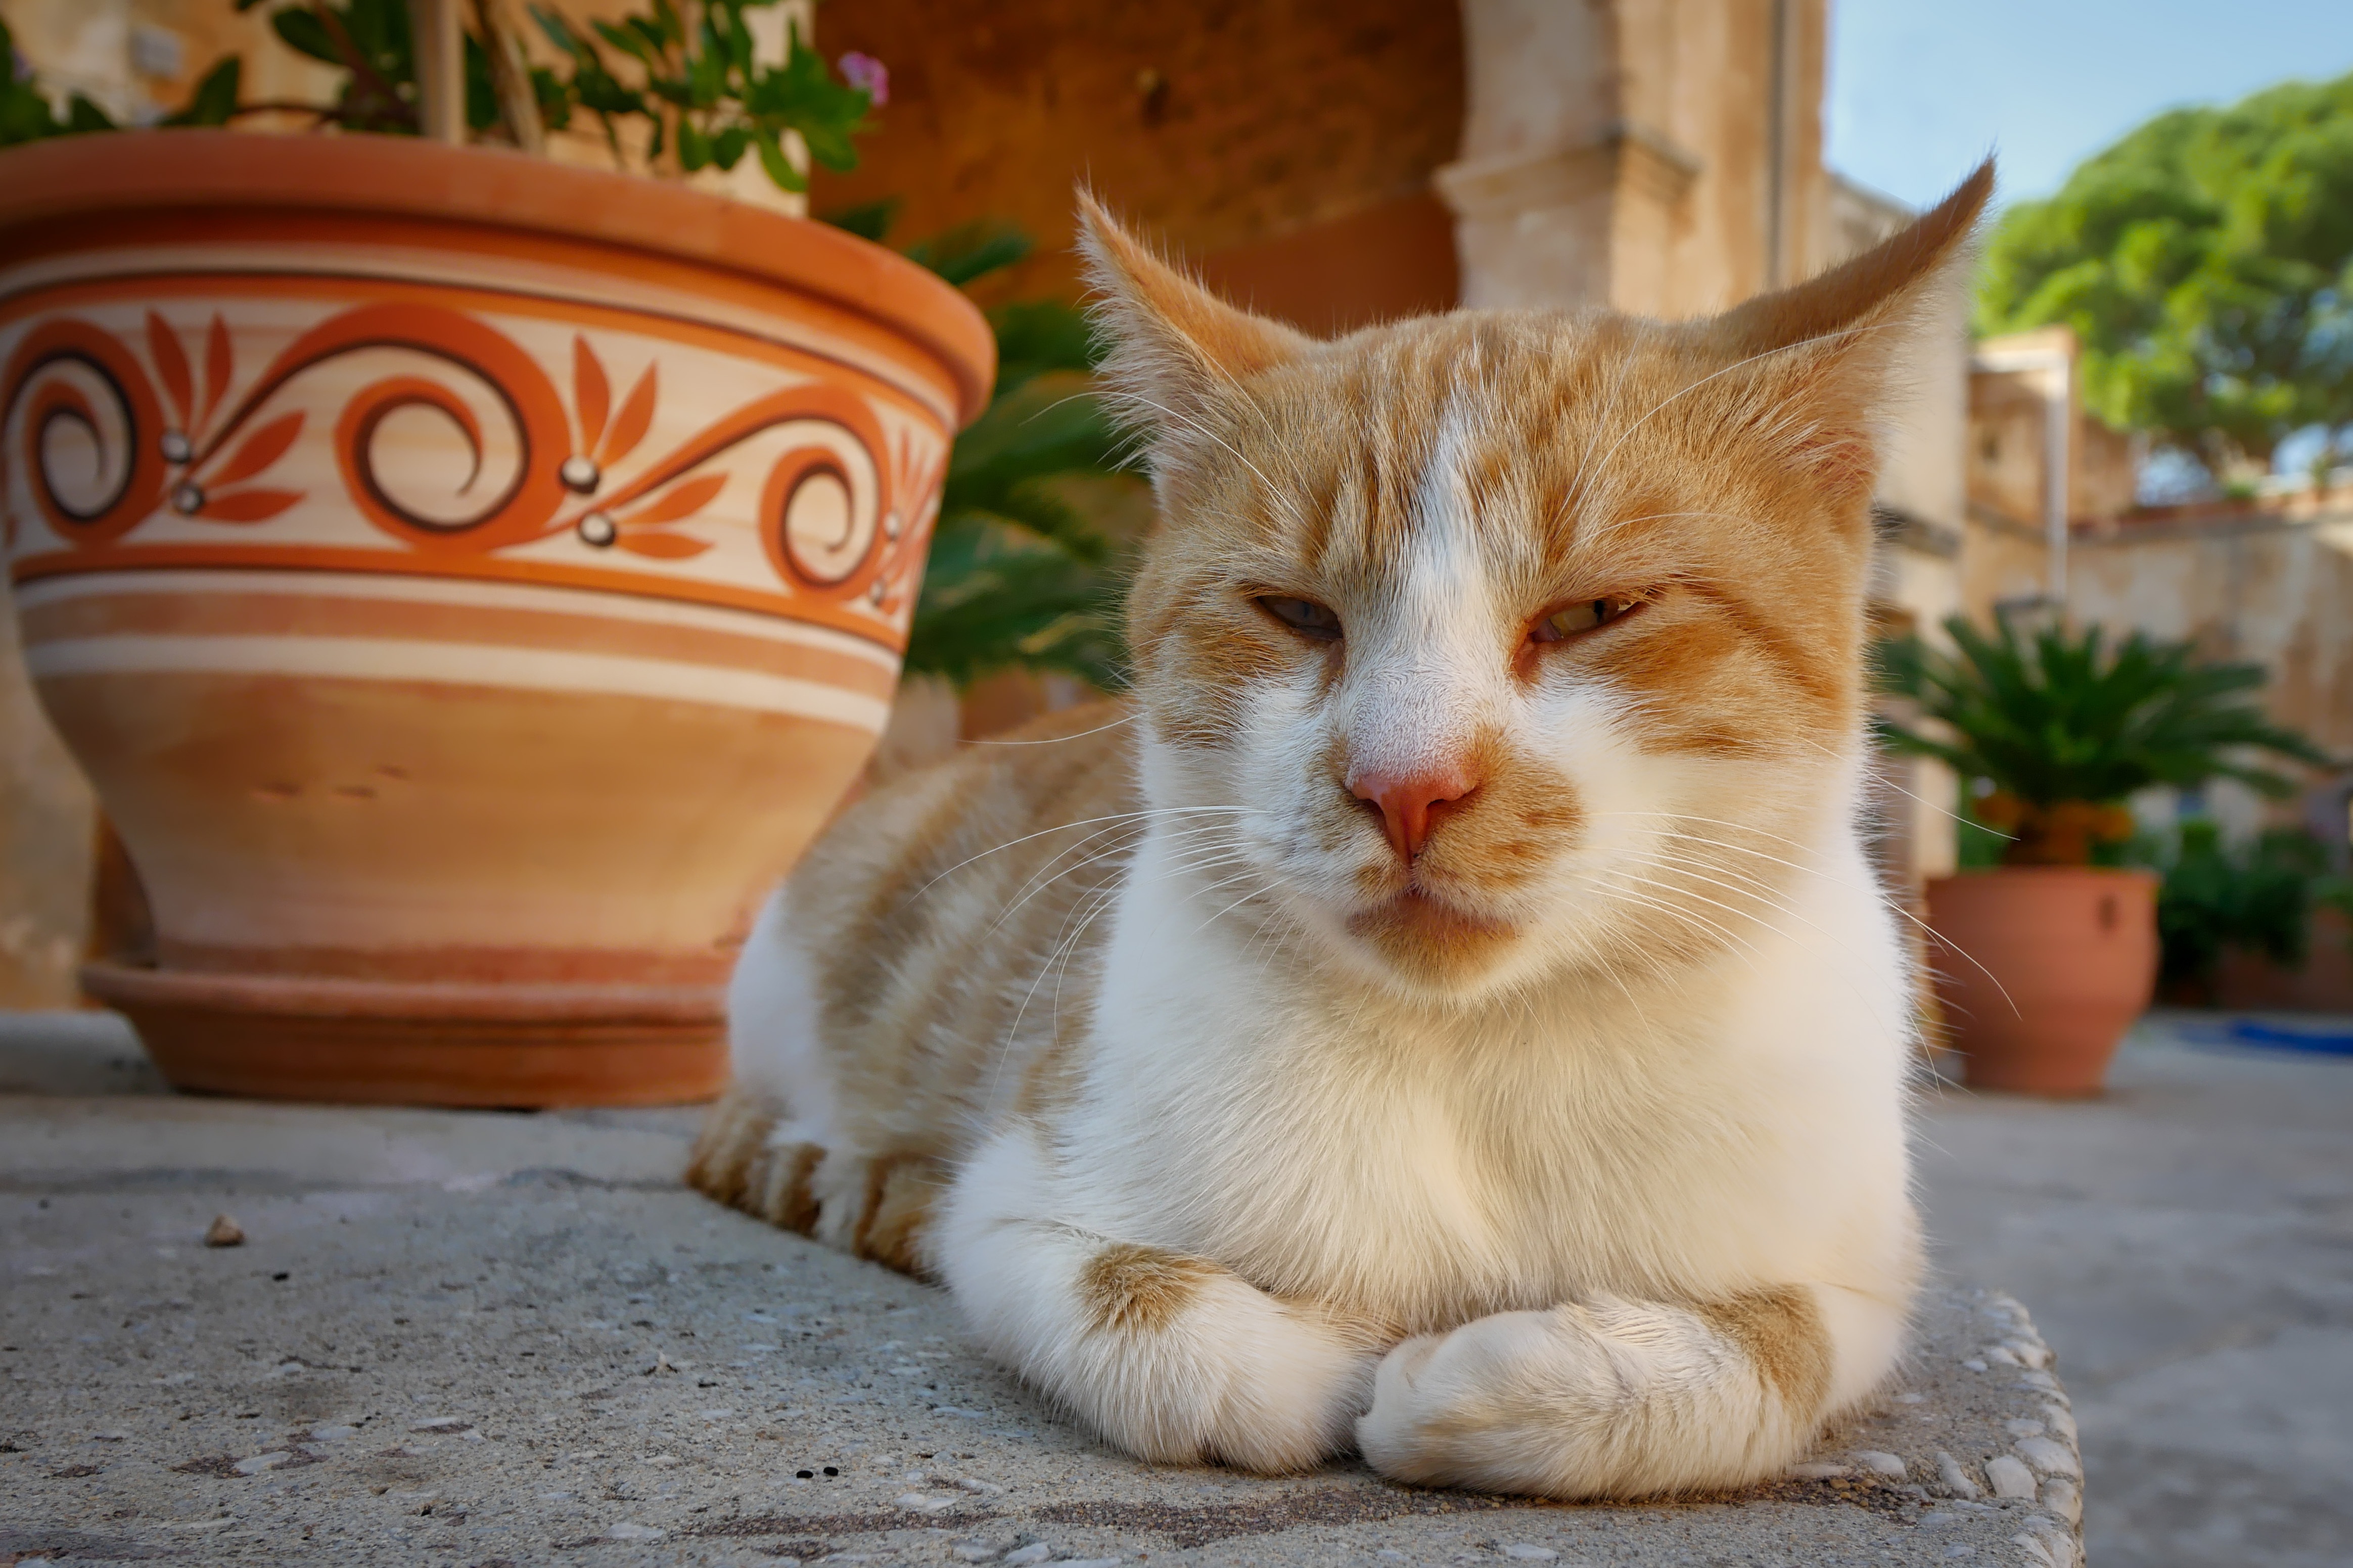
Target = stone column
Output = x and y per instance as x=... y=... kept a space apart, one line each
x=1661 y=156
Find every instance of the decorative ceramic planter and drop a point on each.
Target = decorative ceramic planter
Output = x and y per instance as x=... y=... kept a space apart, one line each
x=469 y=581
x=2041 y=969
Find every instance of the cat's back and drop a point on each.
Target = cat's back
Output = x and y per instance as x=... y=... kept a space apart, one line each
x=944 y=928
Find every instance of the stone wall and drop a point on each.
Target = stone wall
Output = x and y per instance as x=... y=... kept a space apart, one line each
x=1215 y=127
x=2267 y=589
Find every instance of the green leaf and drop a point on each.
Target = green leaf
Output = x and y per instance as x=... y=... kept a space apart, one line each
x=870 y=221
x=555 y=101
x=971 y=250
x=214 y=101
x=82 y=115
x=631 y=40
x=780 y=171
x=693 y=147
x=301 y=31
x=559 y=32
x=1038 y=336
x=482 y=92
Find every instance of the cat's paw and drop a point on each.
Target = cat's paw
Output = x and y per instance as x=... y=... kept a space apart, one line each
x=1225 y=1374
x=1447 y=1407
x=1600 y=1397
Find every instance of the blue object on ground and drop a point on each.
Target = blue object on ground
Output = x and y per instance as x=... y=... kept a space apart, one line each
x=2323 y=1041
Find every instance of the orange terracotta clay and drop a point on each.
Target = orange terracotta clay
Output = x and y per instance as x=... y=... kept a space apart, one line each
x=469 y=581
x=2041 y=969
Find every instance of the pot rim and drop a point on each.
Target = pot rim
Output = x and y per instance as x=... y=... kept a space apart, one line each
x=78 y=176
x=1978 y=873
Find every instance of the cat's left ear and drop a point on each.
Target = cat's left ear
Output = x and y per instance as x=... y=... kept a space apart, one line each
x=1175 y=348
x=1833 y=345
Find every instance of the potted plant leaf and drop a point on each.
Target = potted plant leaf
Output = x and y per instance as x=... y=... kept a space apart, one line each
x=2046 y=959
x=468 y=578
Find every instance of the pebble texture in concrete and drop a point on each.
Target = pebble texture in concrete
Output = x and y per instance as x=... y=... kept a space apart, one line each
x=486 y=1339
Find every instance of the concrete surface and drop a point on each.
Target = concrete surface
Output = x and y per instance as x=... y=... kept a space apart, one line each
x=2187 y=1244
x=480 y=1339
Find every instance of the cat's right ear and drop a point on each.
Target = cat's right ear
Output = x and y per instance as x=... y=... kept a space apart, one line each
x=1174 y=347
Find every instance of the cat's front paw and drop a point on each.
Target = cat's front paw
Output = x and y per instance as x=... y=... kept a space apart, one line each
x=1440 y=1400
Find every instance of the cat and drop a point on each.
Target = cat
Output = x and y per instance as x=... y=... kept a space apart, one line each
x=1444 y=1009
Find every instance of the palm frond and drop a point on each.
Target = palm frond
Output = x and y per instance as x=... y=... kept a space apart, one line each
x=2055 y=716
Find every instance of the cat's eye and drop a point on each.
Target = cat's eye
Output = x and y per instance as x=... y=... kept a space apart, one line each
x=1582 y=616
x=1305 y=617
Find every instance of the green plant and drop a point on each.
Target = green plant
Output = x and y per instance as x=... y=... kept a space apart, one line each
x=2064 y=727
x=2257 y=900
x=700 y=93
x=2206 y=262
x=701 y=90
x=1024 y=571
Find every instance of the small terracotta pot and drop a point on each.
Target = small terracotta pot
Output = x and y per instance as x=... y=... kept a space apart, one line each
x=2041 y=969
x=469 y=581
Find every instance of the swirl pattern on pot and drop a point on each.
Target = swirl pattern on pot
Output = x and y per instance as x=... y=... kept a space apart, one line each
x=367 y=430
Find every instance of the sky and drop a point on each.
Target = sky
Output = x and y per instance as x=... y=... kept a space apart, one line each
x=1921 y=90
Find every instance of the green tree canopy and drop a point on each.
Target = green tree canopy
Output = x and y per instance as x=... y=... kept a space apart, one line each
x=2206 y=262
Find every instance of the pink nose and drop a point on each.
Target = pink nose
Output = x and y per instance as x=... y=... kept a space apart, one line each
x=1411 y=802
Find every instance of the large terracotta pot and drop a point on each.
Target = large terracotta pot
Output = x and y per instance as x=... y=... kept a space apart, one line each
x=2041 y=969
x=469 y=581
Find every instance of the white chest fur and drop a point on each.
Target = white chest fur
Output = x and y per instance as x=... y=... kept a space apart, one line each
x=1740 y=1125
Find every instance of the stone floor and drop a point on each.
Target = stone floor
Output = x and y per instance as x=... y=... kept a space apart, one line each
x=2187 y=1244
x=484 y=1339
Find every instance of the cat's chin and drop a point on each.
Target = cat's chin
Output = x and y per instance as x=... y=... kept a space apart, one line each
x=1433 y=943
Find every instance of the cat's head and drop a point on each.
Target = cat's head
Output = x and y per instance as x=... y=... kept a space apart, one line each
x=1524 y=640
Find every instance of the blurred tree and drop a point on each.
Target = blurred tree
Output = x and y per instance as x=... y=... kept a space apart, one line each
x=2206 y=262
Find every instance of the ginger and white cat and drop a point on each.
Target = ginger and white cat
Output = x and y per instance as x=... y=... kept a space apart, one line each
x=1445 y=1010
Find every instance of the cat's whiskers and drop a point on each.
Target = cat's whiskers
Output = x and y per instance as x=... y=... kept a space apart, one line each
x=1135 y=834
x=1879 y=778
x=1673 y=891
x=1128 y=718
x=1065 y=827
x=1674 y=910
x=1888 y=901
x=1860 y=960
x=1124 y=847
x=1057 y=960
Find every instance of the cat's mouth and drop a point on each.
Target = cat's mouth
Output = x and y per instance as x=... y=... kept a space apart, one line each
x=1413 y=924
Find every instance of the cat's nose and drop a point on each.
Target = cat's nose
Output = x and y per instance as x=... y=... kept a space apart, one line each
x=1411 y=802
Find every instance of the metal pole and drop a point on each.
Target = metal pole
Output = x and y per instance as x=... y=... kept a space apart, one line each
x=440 y=44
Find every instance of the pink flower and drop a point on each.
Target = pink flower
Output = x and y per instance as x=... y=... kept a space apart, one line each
x=868 y=75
